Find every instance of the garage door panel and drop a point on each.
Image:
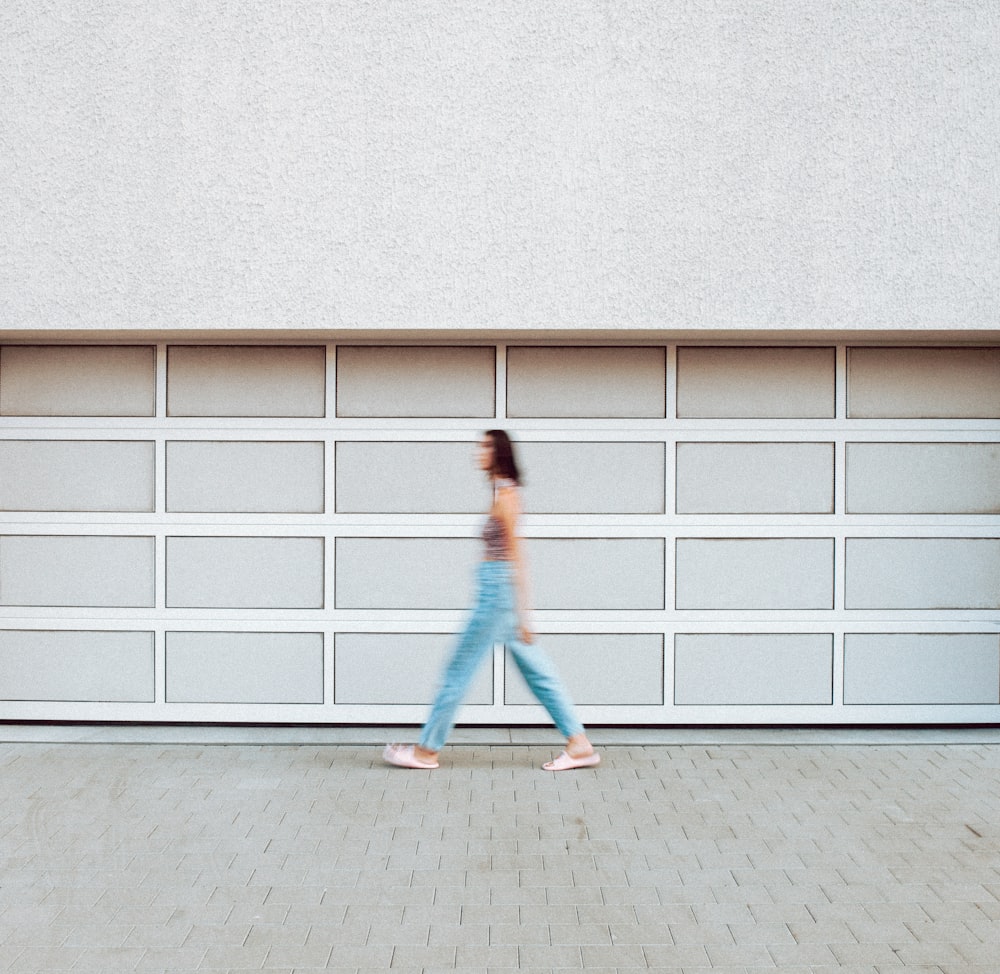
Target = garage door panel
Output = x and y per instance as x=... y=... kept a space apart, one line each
x=422 y=477
x=737 y=669
x=923 y=383
x=586 y=383
x=755 y=383
x=77 y=380
x=921 y=668
x=754 y=573
x=407 y=381
x=923 y=478
x=597 y=574
x=616 y=669
x=213 y=476
x=399 y=668
x=244 y=667
x=594 y=477
x=84 y=571
x=77 y=476
x=755 y=478
x=246 y=381
x=404 y=573
x=244 y=573
x=923 y=573
x=77 y=666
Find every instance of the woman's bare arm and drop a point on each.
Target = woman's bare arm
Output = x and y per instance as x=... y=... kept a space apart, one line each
x=508 y=511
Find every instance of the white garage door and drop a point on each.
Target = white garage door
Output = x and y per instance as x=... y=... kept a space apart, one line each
x=286 y=533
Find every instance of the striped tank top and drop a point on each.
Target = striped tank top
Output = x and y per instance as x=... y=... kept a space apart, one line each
x=494 y=535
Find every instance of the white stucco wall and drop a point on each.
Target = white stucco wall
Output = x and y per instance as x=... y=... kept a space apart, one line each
x=509 y=165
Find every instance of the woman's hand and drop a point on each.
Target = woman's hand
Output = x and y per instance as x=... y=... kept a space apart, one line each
x=527 y=636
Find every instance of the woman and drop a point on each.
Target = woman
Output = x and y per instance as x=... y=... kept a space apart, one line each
x=500 y=613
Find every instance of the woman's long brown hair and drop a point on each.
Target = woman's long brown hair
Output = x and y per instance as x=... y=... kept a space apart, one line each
x=504 y=461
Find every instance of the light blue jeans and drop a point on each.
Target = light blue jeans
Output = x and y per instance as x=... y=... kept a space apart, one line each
x=493 y=619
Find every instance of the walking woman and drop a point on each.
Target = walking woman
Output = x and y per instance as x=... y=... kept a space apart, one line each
x=500 y=613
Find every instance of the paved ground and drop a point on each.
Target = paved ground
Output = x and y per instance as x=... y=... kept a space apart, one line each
x=806 y=858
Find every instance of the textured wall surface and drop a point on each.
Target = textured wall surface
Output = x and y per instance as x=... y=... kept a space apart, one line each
x=447 y=164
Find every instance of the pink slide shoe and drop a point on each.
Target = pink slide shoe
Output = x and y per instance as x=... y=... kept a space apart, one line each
x=404 y=756
x=566 y=762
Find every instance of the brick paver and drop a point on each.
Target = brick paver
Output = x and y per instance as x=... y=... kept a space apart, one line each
x=799 y=858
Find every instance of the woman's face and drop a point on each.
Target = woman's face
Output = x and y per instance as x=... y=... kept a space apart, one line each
x=485 y=454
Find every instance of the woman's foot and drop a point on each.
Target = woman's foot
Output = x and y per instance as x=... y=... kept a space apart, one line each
x=578 y=746
x=579 y=753
x=566 y=762
x=410 y=756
